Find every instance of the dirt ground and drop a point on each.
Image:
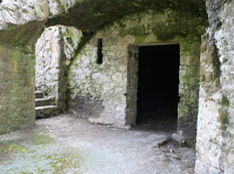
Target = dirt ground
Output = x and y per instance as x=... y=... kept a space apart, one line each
x=70 y=145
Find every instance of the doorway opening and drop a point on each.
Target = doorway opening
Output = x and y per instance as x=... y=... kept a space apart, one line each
x=158 y=80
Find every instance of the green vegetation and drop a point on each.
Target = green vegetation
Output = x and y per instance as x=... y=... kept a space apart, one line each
x=223 y=119
x=40 y=139
x=53 y=158
x=11 y=147
x=60 y=163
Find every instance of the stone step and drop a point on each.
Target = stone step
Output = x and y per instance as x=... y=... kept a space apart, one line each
x=47 y=111
x=45 y=101
x=39 y=94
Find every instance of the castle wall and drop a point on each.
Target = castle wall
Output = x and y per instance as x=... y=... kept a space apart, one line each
x=215 y=135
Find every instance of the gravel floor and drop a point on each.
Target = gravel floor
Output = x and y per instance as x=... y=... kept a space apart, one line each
x=70 y=145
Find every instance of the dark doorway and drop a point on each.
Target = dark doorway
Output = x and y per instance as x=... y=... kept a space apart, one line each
x=158 y=81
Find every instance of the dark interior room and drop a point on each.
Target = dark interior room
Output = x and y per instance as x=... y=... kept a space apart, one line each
x=158 y=86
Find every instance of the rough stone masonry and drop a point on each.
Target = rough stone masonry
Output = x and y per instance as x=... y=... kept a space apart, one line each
x=80 y=84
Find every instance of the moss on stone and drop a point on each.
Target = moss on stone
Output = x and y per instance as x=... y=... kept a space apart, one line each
x=11 y=26
x=141 y=39
x=225 y=102
x=201 y=29
x=223 y=114
x=22 y=35
x=195 y=21
x=183 y=111
x=139 y=30
x=223 y=119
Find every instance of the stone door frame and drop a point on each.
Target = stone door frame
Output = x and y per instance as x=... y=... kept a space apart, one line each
x=132 y=76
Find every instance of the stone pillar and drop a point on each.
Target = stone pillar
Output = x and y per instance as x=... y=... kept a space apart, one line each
x=17 y=95
x=132 y=84
x=188 y=89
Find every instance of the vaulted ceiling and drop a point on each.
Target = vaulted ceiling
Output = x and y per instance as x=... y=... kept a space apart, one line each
x=92 y=15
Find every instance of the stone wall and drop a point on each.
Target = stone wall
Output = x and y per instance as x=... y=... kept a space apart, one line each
x=54 y=52
x=103 y=84
x=215 y=136
x=109 y=82
x=17 y=97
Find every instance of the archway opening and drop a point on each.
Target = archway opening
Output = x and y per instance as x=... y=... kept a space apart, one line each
x=158 y=80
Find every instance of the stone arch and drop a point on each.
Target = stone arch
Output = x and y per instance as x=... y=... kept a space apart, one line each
x=21 y=24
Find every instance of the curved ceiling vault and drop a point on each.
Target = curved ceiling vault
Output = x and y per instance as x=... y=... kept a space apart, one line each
x=92 y=15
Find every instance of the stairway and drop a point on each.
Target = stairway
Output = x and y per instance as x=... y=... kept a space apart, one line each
x=45 y=105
